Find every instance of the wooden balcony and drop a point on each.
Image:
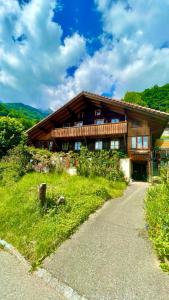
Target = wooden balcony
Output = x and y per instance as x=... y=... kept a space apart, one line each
x=102 y=130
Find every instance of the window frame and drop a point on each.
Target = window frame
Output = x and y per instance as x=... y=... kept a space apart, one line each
x=117 y=120
x=98 y=148
x=97 y=112
x=78 y=124
x=77 y=143
x=96 y=120
x=66 y=125
x=67 y=148
x=116 y=146
x=136 y=123
x=140 y=143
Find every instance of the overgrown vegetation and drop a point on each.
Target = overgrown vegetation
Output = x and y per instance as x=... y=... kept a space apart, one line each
x=102 y=163
x=156 y=97
x=37 y=232
x=157 y=214
x=36 y=235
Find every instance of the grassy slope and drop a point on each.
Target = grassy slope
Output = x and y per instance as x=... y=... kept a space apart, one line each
x=36 y=235
x=28 y=115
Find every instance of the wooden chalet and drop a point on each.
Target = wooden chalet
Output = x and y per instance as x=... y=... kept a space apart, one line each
x=98 y=123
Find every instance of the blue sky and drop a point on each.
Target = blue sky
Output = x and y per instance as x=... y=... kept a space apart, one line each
x=50 y=50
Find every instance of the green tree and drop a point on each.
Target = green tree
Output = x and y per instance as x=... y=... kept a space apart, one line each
x=11 y=134
x=134 y=97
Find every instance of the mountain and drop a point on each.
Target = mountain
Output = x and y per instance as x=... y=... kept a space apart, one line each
x=156 y=97
x=28 y=115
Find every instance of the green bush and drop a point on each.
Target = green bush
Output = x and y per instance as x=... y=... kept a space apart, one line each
x=11 y=134
x=102 y=163
x=14 y=164
x=157 y=215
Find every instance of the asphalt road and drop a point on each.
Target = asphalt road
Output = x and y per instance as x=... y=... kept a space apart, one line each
x=110 y=257
x=17 y=284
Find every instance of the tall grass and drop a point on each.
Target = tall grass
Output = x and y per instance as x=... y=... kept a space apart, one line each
x=35 y=234
x=157 y=214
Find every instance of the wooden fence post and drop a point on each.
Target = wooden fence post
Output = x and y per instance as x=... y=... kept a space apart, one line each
x=42 y=195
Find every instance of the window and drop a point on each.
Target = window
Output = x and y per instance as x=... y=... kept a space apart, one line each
x=114 y=144
x=139 y=142
x=98 y=145
x=99 y=121
x=115 y=120
x=97 y=112
x=136 y=124
x=133 y=142
x=78 y=124
x=77 y=146
x=80 y=115
x=66 y=125
x=50 y=145
x=65 y=146
x=145 y=142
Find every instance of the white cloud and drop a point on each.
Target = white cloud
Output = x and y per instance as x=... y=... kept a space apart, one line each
x=131 y=57
x=42 y=59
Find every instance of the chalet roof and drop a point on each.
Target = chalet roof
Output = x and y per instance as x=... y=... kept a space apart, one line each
x=101 y=99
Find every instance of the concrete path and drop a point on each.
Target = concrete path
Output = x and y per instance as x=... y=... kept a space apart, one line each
x=17 y=284
x=110 y=256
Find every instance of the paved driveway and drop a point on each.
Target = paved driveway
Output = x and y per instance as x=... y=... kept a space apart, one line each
x=110 y=256
x=17 y=284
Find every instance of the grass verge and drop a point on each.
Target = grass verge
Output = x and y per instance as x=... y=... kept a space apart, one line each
x=35 y=234
x=157 y=214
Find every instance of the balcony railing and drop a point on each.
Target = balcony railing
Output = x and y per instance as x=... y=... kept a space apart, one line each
x=107 y=129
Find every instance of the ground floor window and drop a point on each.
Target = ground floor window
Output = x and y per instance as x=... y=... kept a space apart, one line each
x=114 y=144
x=98 y=145
x=77 y=146
x=65 y=146
x=50 y=145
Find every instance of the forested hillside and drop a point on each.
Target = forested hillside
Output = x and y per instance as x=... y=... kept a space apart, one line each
x=28 y=115
x=156 y=97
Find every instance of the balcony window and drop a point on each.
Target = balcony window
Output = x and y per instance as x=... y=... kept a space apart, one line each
x=139 y=142
x=78 y=124
x=99 y=121
x=114 y=145
x=98 y=145
x=115 y=120
x=66 y=125
x=98 y=112
x=65 y=146
x=77 y=146
x=80 y=115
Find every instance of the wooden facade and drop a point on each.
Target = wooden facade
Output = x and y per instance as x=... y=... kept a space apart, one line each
x=102 y=123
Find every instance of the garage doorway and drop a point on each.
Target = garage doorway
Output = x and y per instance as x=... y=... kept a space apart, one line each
x=139 y=170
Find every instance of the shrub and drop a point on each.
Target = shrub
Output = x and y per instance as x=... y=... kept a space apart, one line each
x=102 y=163
x=157 y=215
x=11 y=134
